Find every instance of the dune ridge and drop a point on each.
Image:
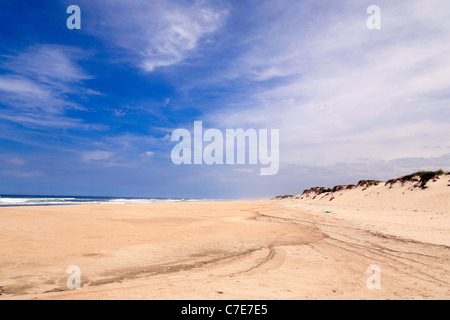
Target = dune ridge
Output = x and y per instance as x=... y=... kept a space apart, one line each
x=410 y=191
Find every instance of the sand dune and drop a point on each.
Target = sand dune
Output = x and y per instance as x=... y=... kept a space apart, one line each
x=400 y=209
x=290 y=249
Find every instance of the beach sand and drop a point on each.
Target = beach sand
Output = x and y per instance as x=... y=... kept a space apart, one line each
x=289 y=249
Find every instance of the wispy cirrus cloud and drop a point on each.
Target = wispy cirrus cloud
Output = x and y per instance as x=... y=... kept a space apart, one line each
x=97 y=155
x=13 y=160
x=50 y=64
x=161 y=33
x=37 y=85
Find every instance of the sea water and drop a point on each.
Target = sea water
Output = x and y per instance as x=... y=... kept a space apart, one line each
x=26 y=200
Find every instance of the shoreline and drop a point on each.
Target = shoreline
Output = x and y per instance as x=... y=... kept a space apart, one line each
x=112 y=201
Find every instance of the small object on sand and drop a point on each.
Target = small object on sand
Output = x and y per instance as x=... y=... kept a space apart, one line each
x=220 y=292
x=328 y=212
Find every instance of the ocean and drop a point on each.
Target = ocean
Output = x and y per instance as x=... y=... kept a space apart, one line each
x=26 y=200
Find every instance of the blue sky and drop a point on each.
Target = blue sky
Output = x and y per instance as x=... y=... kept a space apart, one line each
x=91 y=111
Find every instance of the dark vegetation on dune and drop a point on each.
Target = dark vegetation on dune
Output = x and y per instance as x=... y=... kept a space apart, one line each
x=342 y=187
x=368 y=183
x=287 y=196
x=421 y=177
x=325 y=190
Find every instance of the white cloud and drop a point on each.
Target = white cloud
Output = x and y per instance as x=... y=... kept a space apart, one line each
x=166 y=102
x=20 y=85
x=51 y=64
x=38 y=85
x=15 y=161
x=97 y=155
x=161 y=33
x=149 y=154
x=31 y=119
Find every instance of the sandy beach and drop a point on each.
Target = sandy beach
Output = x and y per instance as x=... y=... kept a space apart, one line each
x=288 y=249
